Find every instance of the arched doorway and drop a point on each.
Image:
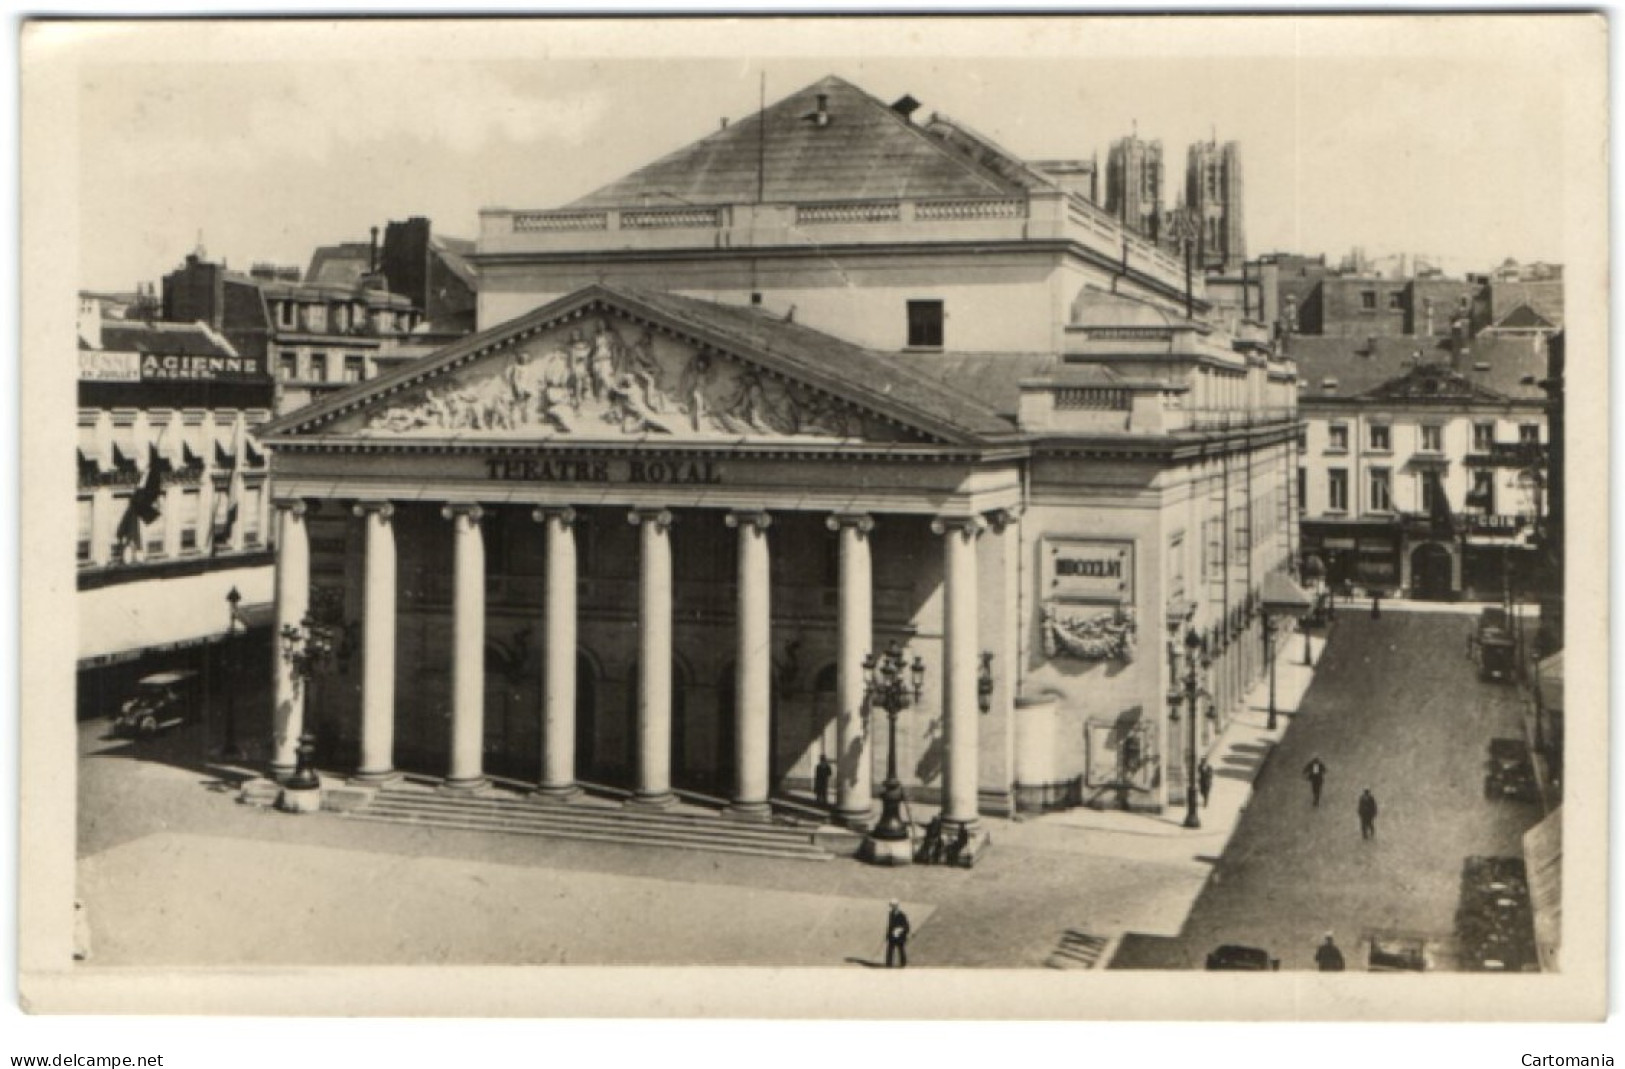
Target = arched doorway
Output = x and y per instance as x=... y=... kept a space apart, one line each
x=1431 y=567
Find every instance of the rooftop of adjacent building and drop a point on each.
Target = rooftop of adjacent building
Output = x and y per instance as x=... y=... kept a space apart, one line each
x=1344 y=368
x=158 y=337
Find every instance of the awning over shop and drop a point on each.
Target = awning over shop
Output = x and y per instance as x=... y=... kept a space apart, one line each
x=1543 y=865
x=1550 y=674
x=1281 y=595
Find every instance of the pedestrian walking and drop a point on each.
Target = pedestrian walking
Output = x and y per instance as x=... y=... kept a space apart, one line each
x=1204 y=780
x=1328 y=958
x=897 y=936
x=821 y=777
x=1368 y=815
x=1315 y=773
x=1376 y=604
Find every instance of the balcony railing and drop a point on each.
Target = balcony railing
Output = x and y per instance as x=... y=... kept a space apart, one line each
x=1040 y=216
x=1213 y=419
x=1508 y=455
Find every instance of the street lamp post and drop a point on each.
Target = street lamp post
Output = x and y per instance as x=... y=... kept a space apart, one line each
x=1281 y=597
x=1269 y=653
x=308 y=648
x=1196 y=663
x=893 y=685
x=231 y=751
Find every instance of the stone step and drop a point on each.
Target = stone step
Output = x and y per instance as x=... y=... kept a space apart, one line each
x=631 y=830
x=716 y=842
x=521 y=809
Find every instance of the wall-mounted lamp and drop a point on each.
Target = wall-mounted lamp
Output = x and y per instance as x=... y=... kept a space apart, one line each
x=984 y=683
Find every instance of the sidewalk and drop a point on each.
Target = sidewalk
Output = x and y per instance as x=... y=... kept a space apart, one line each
x=1239 y=757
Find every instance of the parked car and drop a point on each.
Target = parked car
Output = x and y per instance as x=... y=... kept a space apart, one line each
x=1492 y=647
x=160 y=702
x=1245 y=959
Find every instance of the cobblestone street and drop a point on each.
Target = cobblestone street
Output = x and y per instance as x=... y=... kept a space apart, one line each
x=1397 y=707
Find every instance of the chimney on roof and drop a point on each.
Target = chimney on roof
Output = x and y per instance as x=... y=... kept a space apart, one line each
x=724 y=123
x=372 y=253
x=906 y=106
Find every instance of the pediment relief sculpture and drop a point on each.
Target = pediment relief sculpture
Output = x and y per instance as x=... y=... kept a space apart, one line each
x=607 y=377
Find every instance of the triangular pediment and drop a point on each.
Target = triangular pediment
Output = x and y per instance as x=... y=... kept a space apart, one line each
x=608 y=366
x=1433 y=383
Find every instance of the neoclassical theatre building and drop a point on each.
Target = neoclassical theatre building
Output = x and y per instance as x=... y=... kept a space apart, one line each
x=828 y=379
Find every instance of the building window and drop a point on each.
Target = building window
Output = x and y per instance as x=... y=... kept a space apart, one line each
x=1430 y=491
x=152 y=534
x=1337 y=489
x=1483 y=437
x=248 y=514
x=1432 y=438
x=1529 y=433
x=1396 y=300
x=1482 y=495
x=1303 y=489
x=287 y=365
x=1368 y=299
x=1382 y=490
x=86 y=516
x=925 y=324
x=355 y=368
x=1382 y=437
x=318 y=367
x=1214 y=561
x=1337 y=438
x=284 y=314
x=186 y=518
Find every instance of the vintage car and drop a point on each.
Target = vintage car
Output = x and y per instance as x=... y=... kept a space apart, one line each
x=1244 y=959
x=160 y=702
x=1492 y=647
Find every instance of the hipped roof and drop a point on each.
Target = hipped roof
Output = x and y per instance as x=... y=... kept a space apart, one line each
x=865 y=150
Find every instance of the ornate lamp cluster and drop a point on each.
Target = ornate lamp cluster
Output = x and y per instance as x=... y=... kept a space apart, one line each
x=1187 y=686
x=309 y=648
x=892 y=684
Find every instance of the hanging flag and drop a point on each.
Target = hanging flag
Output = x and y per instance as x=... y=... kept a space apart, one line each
x=229 y=507
x=1439 y=510
x=143 y=507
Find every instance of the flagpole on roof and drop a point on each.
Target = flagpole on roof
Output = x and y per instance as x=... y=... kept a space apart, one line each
x=761 y=139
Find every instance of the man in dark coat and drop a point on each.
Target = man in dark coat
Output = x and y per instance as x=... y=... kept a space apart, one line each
x=897 y=936
x=1368 y=815
x=1315 y=773
x=1376 y=604
x=1328 y=958
x=1204 y=780
x=821 y=777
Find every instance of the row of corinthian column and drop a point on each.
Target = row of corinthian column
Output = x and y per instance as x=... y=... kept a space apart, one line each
x=855 y=639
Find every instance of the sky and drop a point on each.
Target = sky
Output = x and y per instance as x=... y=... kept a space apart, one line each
x=1396 y=135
